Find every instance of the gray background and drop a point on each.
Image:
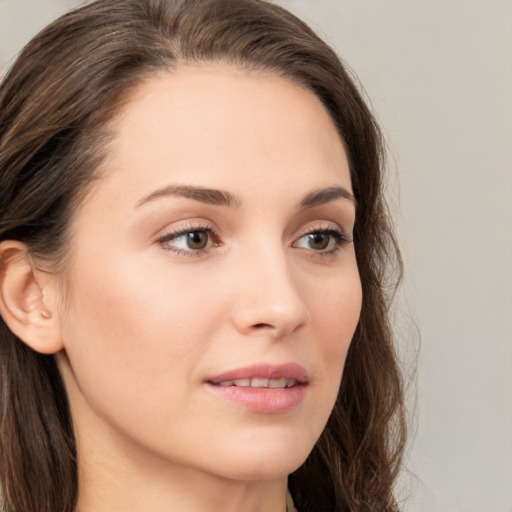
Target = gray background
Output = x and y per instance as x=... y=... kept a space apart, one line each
x=439 y=74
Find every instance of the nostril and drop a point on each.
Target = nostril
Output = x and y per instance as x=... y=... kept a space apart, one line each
x=261 y=326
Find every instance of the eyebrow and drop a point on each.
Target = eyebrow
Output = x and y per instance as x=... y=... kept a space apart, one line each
x=204 y=195
x=326 y=195
x=224 y=198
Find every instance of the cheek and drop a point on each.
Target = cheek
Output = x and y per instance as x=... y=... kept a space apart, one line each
x=131 y=324
x=133 y=337
x=335 y=311
x=335 y=315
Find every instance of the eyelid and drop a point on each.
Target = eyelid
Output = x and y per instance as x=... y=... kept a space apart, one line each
x=328 y=228
x=182 y=230
x=330 y=231
x=324 y=226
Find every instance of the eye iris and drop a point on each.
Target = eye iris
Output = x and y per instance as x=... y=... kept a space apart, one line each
x=318 y=241
x=197 y=240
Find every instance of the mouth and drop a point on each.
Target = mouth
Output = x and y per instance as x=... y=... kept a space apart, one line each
x=258 y=382
x=267 y=389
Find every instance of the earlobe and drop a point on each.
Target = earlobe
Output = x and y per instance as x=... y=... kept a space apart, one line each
x=25 y=307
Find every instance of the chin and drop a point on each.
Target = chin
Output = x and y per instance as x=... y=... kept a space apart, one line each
x=266 y=460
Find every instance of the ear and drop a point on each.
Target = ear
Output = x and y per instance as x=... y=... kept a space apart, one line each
x=27 y=303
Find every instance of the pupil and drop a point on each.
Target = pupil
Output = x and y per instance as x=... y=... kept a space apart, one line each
x=318 y=241
x=197 y=240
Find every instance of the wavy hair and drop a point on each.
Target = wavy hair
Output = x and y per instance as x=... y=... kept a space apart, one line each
x=55 y=104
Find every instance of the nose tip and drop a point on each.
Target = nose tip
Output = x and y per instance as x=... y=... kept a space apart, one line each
x=269 y=322
x=270 y=306
x=279 y=326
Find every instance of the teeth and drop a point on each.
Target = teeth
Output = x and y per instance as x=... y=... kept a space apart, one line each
x=291 y=382
x=242 y=382
x=277 y=383
x=260 y=382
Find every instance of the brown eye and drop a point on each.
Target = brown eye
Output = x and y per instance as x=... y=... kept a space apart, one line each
x=197 y=240
x=319 y=241
x=322 y=241
x=189 y=241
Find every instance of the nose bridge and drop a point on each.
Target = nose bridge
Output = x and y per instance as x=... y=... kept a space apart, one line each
x=268 y=297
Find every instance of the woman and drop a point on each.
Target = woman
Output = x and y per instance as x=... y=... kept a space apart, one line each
x=194 y=251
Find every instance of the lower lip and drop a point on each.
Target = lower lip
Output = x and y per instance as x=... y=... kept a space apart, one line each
x=263 y=400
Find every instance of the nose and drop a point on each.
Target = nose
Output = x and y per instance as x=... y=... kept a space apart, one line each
x=268 y=299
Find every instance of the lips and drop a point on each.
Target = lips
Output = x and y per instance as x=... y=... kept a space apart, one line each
x=269 y=389
x=259 y=382
x=263 y=373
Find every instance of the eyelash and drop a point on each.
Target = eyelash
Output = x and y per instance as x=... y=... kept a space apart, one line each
x=185 y=231
x=340 y=239
x=336 y=235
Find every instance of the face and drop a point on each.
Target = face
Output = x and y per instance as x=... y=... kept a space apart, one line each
x=214 y=289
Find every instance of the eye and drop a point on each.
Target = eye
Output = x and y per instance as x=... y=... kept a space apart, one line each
x=196 y=240
x=189 y=240
x=322 y=241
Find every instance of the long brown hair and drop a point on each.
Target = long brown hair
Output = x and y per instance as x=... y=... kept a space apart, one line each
x=55 y=104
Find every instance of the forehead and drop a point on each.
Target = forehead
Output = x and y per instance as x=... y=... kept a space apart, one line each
x=218 y=126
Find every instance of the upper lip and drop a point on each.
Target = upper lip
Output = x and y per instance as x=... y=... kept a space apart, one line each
x=265 y=371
